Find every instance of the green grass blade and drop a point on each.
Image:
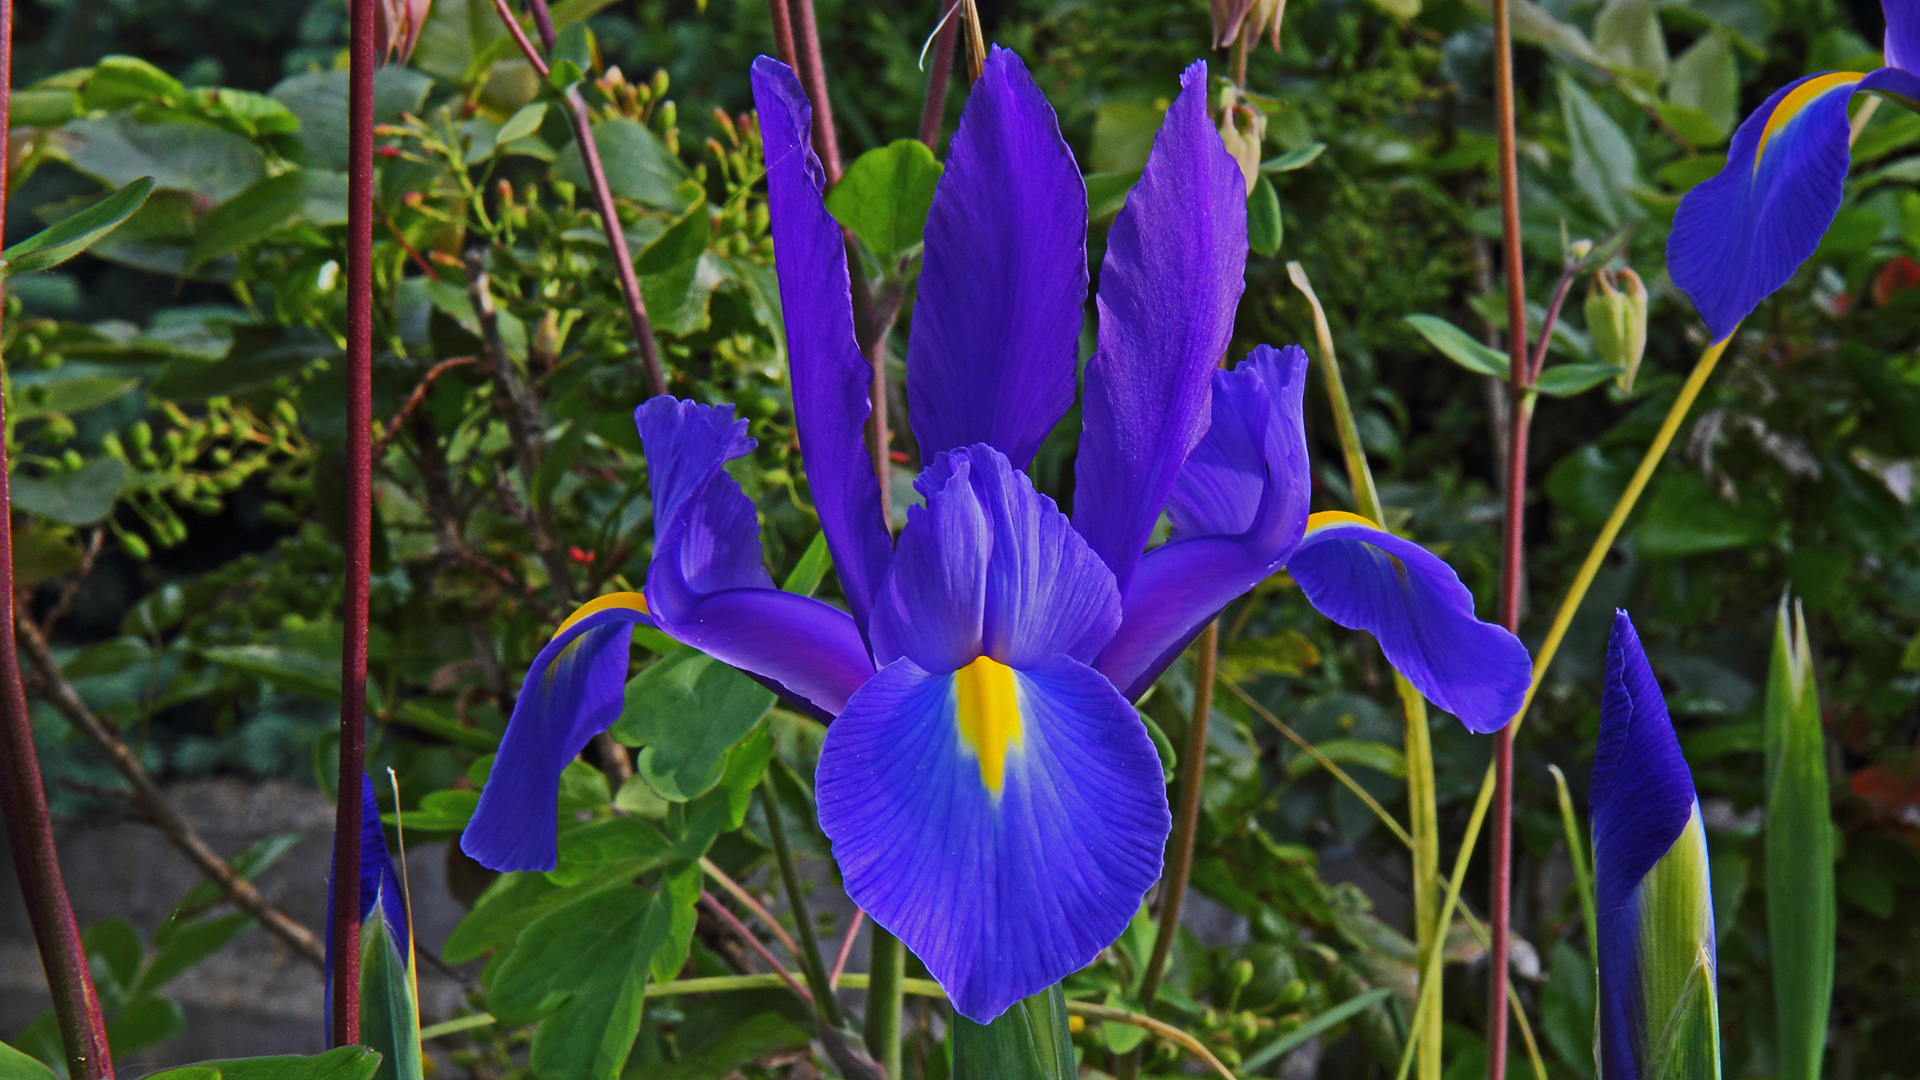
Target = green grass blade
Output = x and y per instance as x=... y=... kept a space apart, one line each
x=1577 y=855
x=1799 y=841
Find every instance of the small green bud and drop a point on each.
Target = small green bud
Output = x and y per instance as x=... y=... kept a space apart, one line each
x=1617 y=321
x=134 y=546
x=1291 y=993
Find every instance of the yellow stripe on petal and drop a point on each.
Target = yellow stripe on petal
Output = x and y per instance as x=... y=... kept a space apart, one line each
x=989 y=716
x=1336 y=517
x=1797 y=101
x=632 y=601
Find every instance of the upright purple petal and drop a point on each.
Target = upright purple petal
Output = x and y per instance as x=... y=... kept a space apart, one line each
x=1902 y=43
x=1238 y=510
x=990 y=567
x=830 y=377
x=1174 y=270
x=1005 y=851
x=707 y=586
x=573 y=691
x=1365 y=578
x=1642 y=791
x=1004 y=276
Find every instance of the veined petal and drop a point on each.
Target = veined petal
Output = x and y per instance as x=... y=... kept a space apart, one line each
x=1740 y=235
x=988 y=566
x=379 y=886
x=573 y=691
x=1006 y=830
x=1365 y=578
x=707 y=586
x=1653 y=891
x=1238 y=509
x=996 y=328
x=1174 y=270
x=830 y=378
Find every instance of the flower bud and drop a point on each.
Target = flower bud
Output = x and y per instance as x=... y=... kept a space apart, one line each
x=1617 y=321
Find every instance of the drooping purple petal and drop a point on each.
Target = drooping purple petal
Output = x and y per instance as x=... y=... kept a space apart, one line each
x=1739 y=236
x=1238 y=510
x=1365 y=578
x=1001 y=893
x=830 y=377
x=707 y=586
x=379 y=885
x=1004 y=276
x=990 y=567
x=573 y=691
x=1902 y=43
x=1174 y=271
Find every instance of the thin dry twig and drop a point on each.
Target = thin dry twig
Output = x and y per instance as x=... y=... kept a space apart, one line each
x=740 y=930
x=846 y=948
x=392 y=426
x=71 y=589
x=147 y=798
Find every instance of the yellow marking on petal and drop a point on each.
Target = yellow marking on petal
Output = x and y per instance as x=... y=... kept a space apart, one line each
x=1797 y=101
x=632 y=601
x=989 y=715
x=1336 y=517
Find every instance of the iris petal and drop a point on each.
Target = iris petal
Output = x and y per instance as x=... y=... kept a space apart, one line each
x=996 y=328
x=378 y=885
x=1001 y=894
x=830 y=378
x=989 y=566
x=1413 y=603
x=1174 y=271
x=707 y=586
x=1238 y=510
x=573 y=691
x=1902 y=43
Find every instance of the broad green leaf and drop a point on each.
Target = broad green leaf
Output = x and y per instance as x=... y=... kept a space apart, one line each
x=1588 y=483
x=389 y=1015
x=574 y=44
x=81 y=497
x=1460 y=347
x=186 y=1072
x=43 y=106
x=884 y=197
x=342 y=1063
x=120 y=82
x=580 y=971
x=1801 y=917
x=1264 y=227
x=1687 y=517
x=1627 y=32
x=1678 y=996
x=1365 y=753
x=188 y=945
x=144 y=1022
x=680 y=890
x=15 y=1065
x=679 y=299
x=503 y=910
x=1705 y=78
x=248 y=217
x=116 y=942
x=1566 y=1009
x=1565 y=380
x=1028 y=1042
x=319 y=99
x=685 y=711
x=638 y=165
x=1690 y=124
x=759 y=1037
x=440 y=811
x=213 y=163
x=1605 y=167
x=521 y=124
x=725 y=807
x=591 y=849
x=1294 y=159
x=72 y=235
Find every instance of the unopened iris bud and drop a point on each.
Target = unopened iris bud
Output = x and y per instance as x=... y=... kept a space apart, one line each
x=1617 y=320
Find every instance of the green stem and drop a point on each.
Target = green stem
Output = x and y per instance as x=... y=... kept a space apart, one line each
x=810 y=962
x=887 y=963
x=1366 y=498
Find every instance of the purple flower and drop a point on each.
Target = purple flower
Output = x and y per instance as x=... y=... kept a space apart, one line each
x=991 y=795
x=1740 y=235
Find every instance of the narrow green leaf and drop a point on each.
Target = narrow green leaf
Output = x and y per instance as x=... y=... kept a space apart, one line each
x=341 y=1063
x=1460 y=347
x=1339 y=1014
x=1677 y=962
x=521 y=124
x=389 y=1015
x=811 y=569
x=72 y=235
x=1028 y=1042
x=1577 y=855
x=248 y=217
x=1364 y=753
x=1799 y=865
x=1565 y=380
x=1264 y=227
x=884 y=198
x=1294 y=159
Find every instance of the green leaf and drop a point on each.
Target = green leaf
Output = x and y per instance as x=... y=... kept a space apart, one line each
x=1577 y=853
x=1628 y=33
x=1333 y=1017
x=319 y=99
x=1566 y=1009
x=259 y=356
x=1686 y=517
x=1107 y=192
x=1028 y=1042
x=503 y=910
x=1565 y=380
x=521 y=124
x=759 y=1037
x=248 y=217
x=811 y=569
x=64 y=390
x=685 y=711
x=1605 y=167
x=1377 y=756
x=116 y=942
x=286 y=669
x=81 y=497
x=74 y=234
x=884 y=197
x=1294 y=159
x=188 y=945
x=1690 y=124
x=144 y=1022
x=213 y=163
x=591 y=849
x=343 y=1063
x=250 y=862
x=1460 y=347
x=1801 y=916
x=1676 y=951
x=637 y=164
x=15 y=1065
x=1706 y=79
x=120 y=82
x=440 y=811
x=1264 y=227
x=580 y=971
x=679 y=298
x=389 y=1016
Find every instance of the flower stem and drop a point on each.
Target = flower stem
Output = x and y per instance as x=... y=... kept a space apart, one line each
x=359 y=545
x=810 y=961
x=781 y=18
x=1186 y=822
x=887 y=965
x=933 y=109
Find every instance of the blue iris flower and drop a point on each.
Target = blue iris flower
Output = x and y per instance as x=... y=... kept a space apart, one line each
x=1740 y=235
x=1659 y=1007
x=990 y=793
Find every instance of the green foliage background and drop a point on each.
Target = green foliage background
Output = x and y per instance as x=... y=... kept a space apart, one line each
x=177 y=394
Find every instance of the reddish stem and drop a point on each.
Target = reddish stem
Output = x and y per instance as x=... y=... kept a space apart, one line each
x=1511 y=548
x=933 y=111
x=353 y=654
x=782 y=18
x=813 y=75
